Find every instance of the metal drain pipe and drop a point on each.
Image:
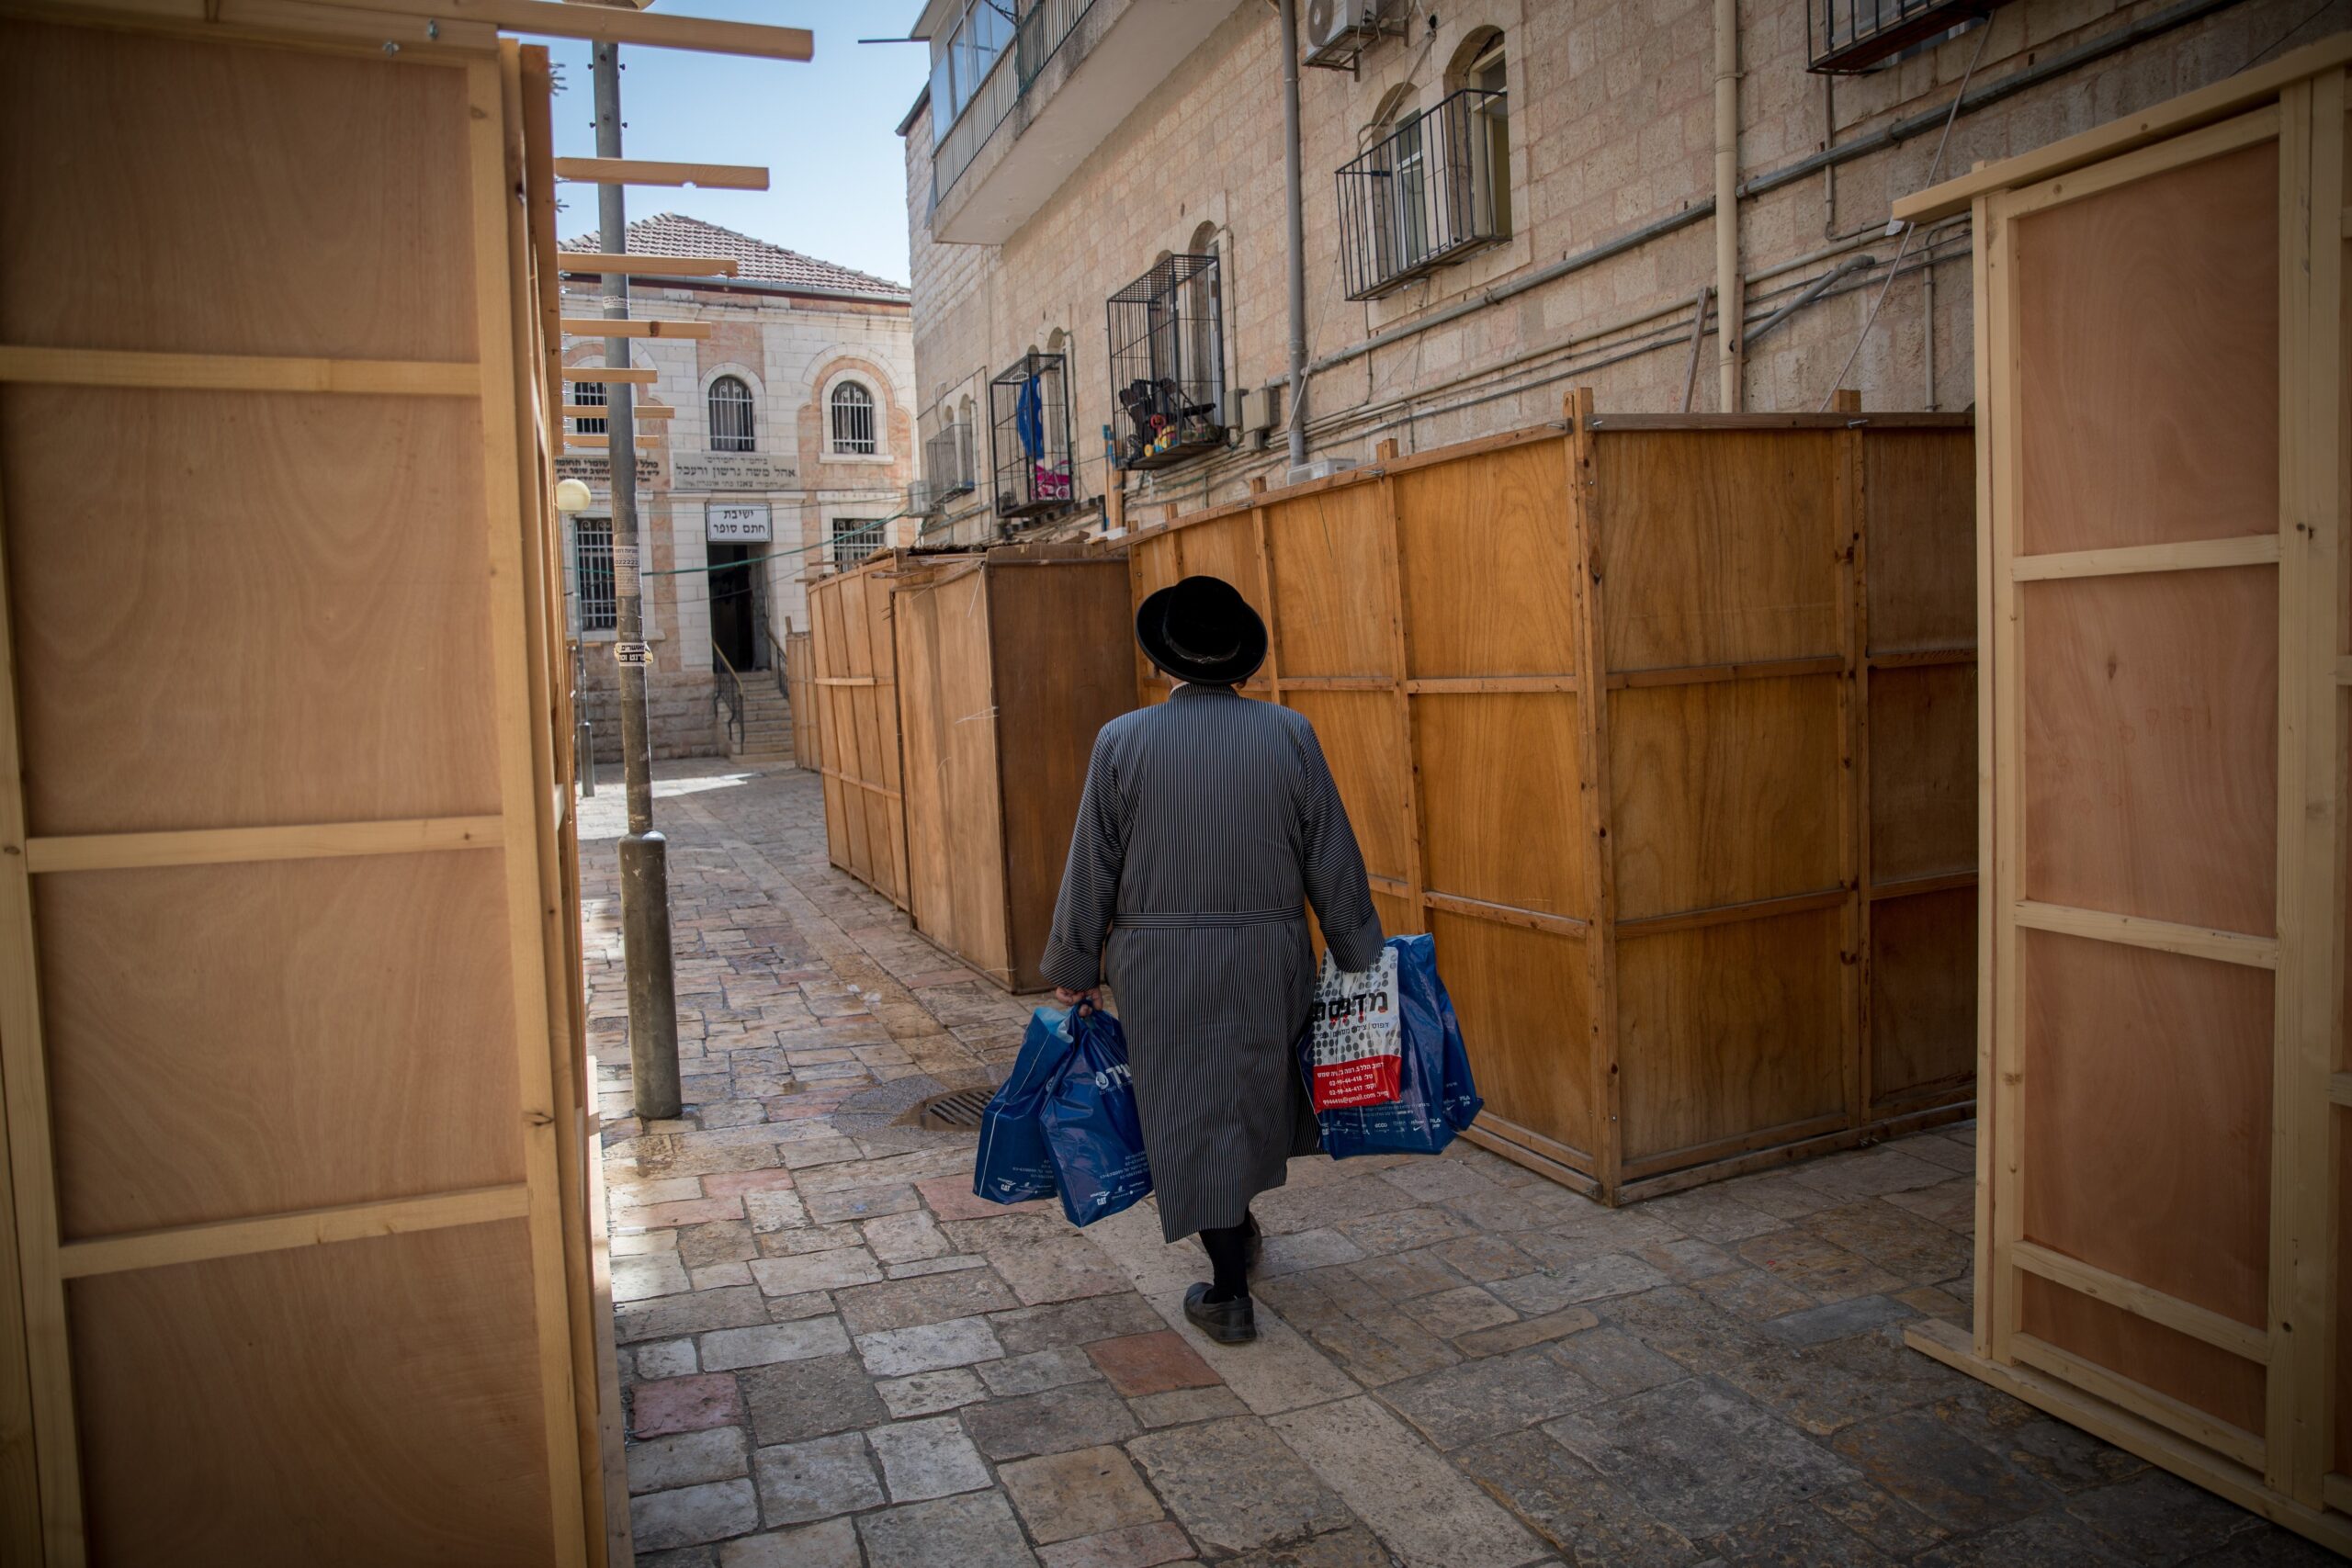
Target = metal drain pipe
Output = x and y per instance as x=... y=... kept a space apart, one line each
x=1731 y=332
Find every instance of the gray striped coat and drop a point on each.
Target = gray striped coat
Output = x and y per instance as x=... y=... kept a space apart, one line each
x=1207 y=823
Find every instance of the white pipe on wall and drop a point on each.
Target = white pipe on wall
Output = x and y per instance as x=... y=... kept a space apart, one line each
x=1731 y=311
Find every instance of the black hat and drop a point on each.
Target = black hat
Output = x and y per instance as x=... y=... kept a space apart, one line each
x=1203 y=630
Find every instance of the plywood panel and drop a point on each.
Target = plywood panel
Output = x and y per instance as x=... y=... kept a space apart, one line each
x=1922 y=771
x=2340 y=1125
x=1718 y=547
x=955 y=828
x=1919 y=507
x=1487 y=563
x=1330 y=588
x=1358 y=732
x=2146 y=1133
x=1729 y=1030
x=1498 y=795
x=292 y=1034
x=2148 y=706
x=253 y=201
x=1151 y=567
x=2133 y=436
x=1724 y=792
x=1525 y=1007
x=1923 y=994
x=1226 y=549
x=312 y=566
x=1059 y=642
x=363 y=1403
x=2198 y=1375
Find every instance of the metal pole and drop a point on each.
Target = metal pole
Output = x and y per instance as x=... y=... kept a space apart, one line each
x=645 y=873
x=1294 y=218
x=1731 y=294
x=586 y=739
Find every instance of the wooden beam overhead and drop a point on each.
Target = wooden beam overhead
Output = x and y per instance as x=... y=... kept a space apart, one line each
x=605 y=263
x=236 y=372
x=598 y=411
x=606 y=374
x=604 y=443
x=606 y=24
x=596 y=326
x=649 y=172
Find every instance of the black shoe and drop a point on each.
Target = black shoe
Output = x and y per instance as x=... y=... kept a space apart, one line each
x=1227 y=1323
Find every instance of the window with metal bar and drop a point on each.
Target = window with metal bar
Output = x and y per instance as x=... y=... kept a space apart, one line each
x=588 y=394
x=853 y=420
x=731 y=415
x=592 y=554
x=1434 y=189
x=854 y=539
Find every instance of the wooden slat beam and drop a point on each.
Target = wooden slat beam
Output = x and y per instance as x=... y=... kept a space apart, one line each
x=649 y=172
x=605 y=263
x=607 y=24
x=2140 y=1300
x=227 y=846
x=604 y=443
x=2197 y=554
x=606 y=375
x=237 y=372
x=598 y=411
x=596 y=326
x=277 y=1233
x=2137 y=931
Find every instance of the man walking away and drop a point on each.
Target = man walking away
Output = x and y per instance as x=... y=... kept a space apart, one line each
x=1207 y=823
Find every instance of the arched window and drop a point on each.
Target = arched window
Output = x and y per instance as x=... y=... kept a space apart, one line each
x=967 y=466
x=1479 y=72
x=853 y=420
x=731 y=415
x=1204 y=354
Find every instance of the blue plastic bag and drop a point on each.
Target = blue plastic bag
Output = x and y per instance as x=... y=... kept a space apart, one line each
x=1092 y=1131
x=1013 y=1165
x=1437 y=1098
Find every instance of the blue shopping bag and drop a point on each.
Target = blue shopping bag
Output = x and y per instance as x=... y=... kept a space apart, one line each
x=1093 y=1130
x=1011 y=1166
x=1436 y=1097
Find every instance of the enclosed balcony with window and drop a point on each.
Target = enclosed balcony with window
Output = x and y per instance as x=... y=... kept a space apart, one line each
x=1850 y=36
x=1168 y=364
x=1431 y=190
x=947 y=464
x=1029 y=436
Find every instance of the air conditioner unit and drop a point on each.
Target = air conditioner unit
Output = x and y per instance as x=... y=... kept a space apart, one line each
x=1338 y=30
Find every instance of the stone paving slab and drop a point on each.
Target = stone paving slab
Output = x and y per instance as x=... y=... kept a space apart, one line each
x=833 y=1356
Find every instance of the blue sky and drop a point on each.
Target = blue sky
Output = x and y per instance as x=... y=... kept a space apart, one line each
x=826 y=130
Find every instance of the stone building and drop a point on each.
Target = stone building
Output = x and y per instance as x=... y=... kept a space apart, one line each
x=1504 y=199
x=788 y=449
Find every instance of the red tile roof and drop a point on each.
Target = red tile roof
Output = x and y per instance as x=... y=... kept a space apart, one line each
x=673 y=234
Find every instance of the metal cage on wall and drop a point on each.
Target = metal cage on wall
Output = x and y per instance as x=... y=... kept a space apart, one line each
x=1432 y=190
x=1029 y=436
x=1168 y=364
x=1856 y=35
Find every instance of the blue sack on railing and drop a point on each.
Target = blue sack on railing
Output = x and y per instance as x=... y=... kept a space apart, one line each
x=1436 y=1097
x=1011 y=1166
x=1092 y=1131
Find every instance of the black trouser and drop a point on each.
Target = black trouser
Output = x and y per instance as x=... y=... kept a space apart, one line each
x=1229 y=1250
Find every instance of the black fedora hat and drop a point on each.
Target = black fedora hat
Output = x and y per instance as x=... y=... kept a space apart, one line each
x=1202 y=630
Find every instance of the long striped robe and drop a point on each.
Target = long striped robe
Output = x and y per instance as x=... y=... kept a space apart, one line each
x=1207 y=823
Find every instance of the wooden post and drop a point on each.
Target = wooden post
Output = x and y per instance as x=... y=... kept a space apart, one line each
x=1853 y=772
x=1584 y=609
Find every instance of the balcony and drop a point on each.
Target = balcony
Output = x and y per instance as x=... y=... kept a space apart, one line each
x=1433 y=190
x=1029 y=437
x=1850 y=36
x=947 y=467
x=1168 y=364
x=1017 y=105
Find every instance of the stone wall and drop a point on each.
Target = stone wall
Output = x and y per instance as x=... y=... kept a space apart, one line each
x=1612 y=129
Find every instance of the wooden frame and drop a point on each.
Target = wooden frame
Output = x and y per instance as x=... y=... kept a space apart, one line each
x=596 y=326
x=1680 y=786
x=437 y=25
x=2138 y=987
x=648 y=172
x=442 y=1223
x=1008 y=663
x=855 y=675
x=606 y=265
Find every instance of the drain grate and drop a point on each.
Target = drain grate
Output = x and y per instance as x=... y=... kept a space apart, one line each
x=956 y=1111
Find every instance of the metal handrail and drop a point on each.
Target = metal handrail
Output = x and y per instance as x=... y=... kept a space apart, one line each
x=776 y=657
x=735 y=708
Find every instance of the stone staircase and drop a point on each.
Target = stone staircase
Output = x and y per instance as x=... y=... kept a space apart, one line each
x=767 y=722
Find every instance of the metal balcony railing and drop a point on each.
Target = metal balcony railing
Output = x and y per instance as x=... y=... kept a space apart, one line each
x=974 y=90
x=1854 y=35
x=1435 y=188
x=1168 y=364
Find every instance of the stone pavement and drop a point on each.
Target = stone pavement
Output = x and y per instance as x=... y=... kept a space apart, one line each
x=833 y=1354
